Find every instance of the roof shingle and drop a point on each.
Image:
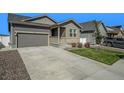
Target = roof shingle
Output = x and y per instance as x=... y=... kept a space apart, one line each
x=14 y=17
x=89 y=26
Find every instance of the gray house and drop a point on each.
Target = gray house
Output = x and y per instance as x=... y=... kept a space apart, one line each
x=41 y=31
x=28 y=33
x=89 y=30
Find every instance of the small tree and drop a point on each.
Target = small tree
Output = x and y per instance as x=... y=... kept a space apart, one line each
x=98 y=35
x=98 y=38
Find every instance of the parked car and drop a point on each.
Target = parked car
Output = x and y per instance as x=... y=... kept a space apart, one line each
x=114 y=42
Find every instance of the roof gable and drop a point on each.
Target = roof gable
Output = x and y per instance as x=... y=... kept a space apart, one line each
x=90 y=25
x=40 y=18
x=71 y=21
x=67 y=22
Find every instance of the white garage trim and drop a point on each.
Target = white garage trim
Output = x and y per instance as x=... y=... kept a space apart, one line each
x=30 y=32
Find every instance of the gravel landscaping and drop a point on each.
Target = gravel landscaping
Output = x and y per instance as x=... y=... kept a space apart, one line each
x=12 y=66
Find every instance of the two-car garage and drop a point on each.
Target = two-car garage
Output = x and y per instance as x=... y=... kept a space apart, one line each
x=26 y=31
x=30 y=35
x=32 y=39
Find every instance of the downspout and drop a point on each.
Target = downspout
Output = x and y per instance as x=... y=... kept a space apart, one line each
x=58 y=34
x=11 y=35
x=96 y=31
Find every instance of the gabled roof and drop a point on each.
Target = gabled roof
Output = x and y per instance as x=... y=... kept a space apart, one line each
x=119 y=26
x=39 y=17
x=30 y=23
x=17 y=19
x=111 y=30
x=66 y=22
x=115 y=29
x=90 y=25
x=14 y=17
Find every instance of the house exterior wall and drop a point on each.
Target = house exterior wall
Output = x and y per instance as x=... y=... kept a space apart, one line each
x=119 y=35
x=88 y=37
x=24 y=29
x=29 y=29
x=44 y=21
x=102 y=30
x=71 y=39
x=68 y=40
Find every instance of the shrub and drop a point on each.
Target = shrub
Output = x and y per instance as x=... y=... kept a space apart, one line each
x=73 y=44
x=87 y=45
x=79 y=45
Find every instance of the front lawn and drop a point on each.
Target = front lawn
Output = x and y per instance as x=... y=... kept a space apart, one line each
x=101 y=55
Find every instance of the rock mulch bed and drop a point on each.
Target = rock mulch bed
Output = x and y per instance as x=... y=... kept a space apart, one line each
x=12 y=66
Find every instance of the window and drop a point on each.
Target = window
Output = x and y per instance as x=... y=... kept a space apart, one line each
x=73 y=32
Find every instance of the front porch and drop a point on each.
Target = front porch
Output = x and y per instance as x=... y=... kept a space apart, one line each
x=58 y=35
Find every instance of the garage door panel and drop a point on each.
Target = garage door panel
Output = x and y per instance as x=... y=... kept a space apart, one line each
x=30 y=40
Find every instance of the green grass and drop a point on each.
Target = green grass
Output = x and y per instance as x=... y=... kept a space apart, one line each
x=102 y=55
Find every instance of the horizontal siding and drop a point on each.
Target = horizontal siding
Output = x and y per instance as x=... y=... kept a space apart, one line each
x=31 y=29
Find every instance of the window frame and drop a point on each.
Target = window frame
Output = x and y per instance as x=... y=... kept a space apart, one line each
x=73 y=32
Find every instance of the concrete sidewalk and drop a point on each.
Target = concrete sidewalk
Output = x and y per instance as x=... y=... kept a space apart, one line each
x=50 y=63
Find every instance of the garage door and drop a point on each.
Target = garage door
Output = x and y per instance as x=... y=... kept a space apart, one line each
x=31 y=40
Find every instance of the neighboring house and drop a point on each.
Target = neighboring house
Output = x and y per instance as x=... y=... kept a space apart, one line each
x=41 y=31
x=89 y=30
x=115 y=31
x=4 y=40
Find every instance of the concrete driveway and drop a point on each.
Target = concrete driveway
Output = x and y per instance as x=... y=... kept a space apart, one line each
x=51 y=63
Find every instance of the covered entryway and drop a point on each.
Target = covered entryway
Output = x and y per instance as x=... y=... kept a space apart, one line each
x=32 y=39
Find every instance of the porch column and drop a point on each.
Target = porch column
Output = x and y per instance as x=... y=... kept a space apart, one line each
x=11 y=35
x=58 y=34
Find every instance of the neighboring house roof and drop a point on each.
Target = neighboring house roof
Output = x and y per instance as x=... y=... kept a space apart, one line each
x=111 y=30
x=39 y=17
x=66 y=22
x=89 y=26
x=114 y=30
x=119 y=26
x=3 y=35
x=118 y=29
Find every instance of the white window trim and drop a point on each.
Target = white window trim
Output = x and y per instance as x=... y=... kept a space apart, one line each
x=72 y=32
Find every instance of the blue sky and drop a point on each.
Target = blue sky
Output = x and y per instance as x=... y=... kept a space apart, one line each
x=109 y=19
